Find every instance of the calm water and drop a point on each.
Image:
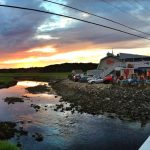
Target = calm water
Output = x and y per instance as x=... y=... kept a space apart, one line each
x=66 y=131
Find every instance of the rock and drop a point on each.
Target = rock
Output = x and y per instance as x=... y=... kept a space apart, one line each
x=13 y=100
x=38 y=137
x=8 y=130
x=127 y=102
x=19 y=144
x=36 y=107
x=107 y=98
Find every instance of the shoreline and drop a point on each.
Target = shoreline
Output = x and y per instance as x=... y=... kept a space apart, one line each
x=9 y=81
x=125 y=103
x=9 y=84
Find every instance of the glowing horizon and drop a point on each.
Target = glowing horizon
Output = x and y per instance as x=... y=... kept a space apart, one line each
x=37 y=40
x=84 y=56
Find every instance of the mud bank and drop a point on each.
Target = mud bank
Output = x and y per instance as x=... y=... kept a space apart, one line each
x=7 y=85
x=127 y=103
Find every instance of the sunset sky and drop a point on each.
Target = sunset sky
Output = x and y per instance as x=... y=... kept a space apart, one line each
x=29 y=39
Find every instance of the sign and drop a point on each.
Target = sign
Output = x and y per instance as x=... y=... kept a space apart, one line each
x=110 y=61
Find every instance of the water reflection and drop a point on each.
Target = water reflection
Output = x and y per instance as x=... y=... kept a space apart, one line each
x=31 y=83
x=66 y=131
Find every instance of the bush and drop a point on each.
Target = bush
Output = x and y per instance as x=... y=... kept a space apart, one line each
x=4 y=145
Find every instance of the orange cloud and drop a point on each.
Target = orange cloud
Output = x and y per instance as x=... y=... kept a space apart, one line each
x=43 y=50
x=42 y=56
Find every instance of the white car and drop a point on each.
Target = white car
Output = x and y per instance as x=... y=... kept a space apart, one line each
x=95 y=80
x=94 y=77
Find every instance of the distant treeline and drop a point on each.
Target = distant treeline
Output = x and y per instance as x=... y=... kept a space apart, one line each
x=66 y=67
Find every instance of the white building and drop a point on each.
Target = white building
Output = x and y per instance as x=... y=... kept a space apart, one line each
x=112 y=63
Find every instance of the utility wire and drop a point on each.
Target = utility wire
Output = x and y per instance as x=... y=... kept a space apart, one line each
x=137 y=2
x=131 y=3
x=109 y=3
x=92 y=14
x=141 y=4
x=123 y=11
x=89 y=22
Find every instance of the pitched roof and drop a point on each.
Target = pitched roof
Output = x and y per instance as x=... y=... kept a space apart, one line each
x=126 y=55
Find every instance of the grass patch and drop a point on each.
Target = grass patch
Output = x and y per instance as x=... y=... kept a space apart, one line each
x=35 y=76
x=6 y=80
x=9 y=79
x=38 y=89
x=12 y=100
x=4 y=145
x=7 y=130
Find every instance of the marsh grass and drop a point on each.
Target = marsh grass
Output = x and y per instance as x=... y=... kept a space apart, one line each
x=38 y=89
x=10 y=79
x=4 y=145
x=12 y=100
x=33 y=76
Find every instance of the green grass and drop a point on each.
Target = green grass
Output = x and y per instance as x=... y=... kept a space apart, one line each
x=7 y=81
x=4 y=145
x=36 y=75
x=8 y=78
x=38 y=89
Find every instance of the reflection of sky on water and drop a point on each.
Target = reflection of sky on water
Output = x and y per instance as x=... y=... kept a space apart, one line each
x=66 y=131
x=31 y=83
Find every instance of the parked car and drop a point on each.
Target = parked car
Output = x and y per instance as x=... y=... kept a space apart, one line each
x=93 y=77
x=76 y=77
x=124 y=82
x=108 y=79
x=130 y=81
x=84 y=79
x=95 y=80
x=148 y=82
x=90 y=78
x=133 y=81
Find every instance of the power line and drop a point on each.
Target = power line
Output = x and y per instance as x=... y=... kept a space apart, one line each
x=92 y=14
x=142 y=5
x=137 y=2
x=123 y=11
x=89 y=22
x=109 y=3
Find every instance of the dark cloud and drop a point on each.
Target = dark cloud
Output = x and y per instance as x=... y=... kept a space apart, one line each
x=18 y=28
x=128 y=13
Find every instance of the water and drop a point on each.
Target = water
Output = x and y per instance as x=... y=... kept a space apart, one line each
x=66 y=131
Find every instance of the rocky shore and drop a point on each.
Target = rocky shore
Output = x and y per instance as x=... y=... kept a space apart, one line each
x=127 y=103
